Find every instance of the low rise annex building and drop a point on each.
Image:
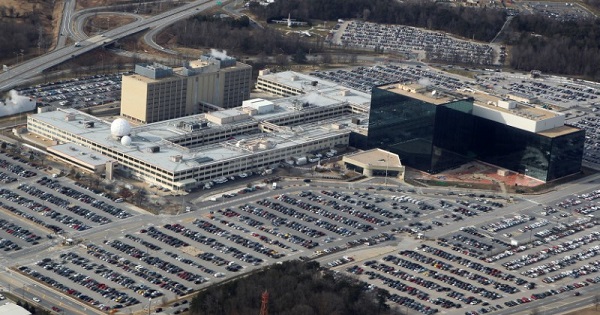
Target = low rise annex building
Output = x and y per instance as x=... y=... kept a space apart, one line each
x=187 y=152
x=375 y=162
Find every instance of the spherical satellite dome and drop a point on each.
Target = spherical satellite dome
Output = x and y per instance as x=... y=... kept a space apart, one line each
x=126 y=140
x=120 y=127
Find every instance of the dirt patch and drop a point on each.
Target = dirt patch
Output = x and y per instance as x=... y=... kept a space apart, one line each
x=191 y=250
x=592 y=310
x=21 y=8
x=84 y=4
x=151 y=7
x=104 y=22
x=475 y=175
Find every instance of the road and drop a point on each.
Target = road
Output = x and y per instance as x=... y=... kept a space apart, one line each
x=24 y=71
x=64 y=31
x=26 y=288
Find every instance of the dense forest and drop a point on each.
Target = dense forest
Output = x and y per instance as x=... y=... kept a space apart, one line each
x=20 y=32
x=480 y=24
x=15 y=38
x=237 y=35
x=541 y=43
x=295 y=288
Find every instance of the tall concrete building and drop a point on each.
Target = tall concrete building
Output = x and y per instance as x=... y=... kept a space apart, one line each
x=156 y=92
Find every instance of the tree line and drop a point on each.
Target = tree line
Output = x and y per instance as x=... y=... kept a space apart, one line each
x=541 y=43
x=295 y=288
x=238 y=35
x=477 y=23
x=16 y=38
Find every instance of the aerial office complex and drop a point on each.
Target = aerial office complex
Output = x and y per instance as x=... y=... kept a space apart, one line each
x=428 y=129
x=187 y=152
x=432 y=131
x=157 y=92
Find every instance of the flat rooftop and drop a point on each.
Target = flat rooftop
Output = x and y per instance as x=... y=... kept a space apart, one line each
x=377 y=158
x=419 y=92
x=80 y=153
x=153 y=135
x=298 y=80
x=558 y=131
x=531 y=112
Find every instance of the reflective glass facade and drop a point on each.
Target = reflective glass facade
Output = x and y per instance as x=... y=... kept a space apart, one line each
x=434 y=138
x=426 y=136
x=402 y=125
x=535 y=155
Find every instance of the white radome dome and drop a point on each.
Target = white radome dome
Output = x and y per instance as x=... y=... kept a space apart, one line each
x=126 y=140
x=120 y=127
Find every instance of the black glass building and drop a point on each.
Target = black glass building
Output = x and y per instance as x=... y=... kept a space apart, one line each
x=427 y=135
x=433 y=132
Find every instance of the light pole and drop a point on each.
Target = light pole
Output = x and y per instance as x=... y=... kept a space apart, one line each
x=149 y=305
x=387 y=164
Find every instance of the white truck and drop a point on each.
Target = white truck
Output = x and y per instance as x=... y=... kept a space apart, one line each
x=301 y=160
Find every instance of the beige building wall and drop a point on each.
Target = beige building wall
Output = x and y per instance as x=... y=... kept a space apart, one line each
x=150 y=100
x=134 y=96
x=167 y=99
x=235 y=85
x=202 y=88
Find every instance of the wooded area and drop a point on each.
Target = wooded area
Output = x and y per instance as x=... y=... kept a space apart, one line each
x=20 y=32
x=15 y=38
x=295 y=288
x=237 y=35
x=540 y=43
x=480 y=24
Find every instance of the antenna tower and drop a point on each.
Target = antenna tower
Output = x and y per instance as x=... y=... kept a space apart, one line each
x=264 y=305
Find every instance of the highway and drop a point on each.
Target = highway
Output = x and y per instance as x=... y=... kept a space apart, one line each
x=24 y=71
x=64 y=31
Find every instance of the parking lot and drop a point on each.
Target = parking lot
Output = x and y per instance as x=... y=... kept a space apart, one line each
x=514 y=259
x=436 y=46
x=175 y=257
x=591 y=125
x=549 y=89
x=77 y=93
x=475 y=268
x=365 y=78
x=564 y=12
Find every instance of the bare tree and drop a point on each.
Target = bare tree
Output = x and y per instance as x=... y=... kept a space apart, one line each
x=282 y=60
x=125 y=192
x=326 y=58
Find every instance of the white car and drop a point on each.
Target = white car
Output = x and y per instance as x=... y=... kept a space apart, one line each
x=36 y=299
